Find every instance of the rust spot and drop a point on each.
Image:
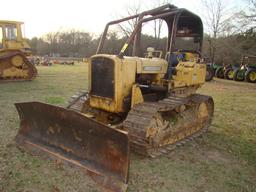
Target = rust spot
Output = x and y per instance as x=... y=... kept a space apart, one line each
x=76 y=139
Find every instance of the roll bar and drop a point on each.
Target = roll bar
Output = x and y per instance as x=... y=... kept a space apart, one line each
x=173 y=16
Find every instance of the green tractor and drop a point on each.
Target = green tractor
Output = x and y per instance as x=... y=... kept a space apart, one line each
x=211 y=69
x=226 y=71
x=247 y=70
x=209 y=72
x=218 y=70
x=229 y=71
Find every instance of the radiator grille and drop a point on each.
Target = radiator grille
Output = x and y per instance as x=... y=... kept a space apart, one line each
x=102 y=83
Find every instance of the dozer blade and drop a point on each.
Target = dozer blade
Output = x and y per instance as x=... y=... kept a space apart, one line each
x=55 y=132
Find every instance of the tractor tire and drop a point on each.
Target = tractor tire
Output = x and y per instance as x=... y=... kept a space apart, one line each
x=219 y=72
x=229 y=74
x=250 y=76
x=238 y=76
x=209 y=74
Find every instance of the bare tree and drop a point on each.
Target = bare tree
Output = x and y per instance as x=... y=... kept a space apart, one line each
x=249 y=16
x=52 y=39
x=244 y=19
x=127 y=27
x=138 y=8
x=215 y=21
x=252 y=11
x=158 y=23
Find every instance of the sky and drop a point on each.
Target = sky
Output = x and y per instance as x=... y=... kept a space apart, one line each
x=42 y=16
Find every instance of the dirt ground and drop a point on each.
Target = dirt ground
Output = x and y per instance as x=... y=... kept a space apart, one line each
x=224 y=159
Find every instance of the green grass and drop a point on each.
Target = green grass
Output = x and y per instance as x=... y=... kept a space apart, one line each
x=222 y=160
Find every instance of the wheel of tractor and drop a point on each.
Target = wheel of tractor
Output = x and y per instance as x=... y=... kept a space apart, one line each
x=250 y=76
x=239 y=75
x=229 y=74
x=209 y=74
x=219 y=72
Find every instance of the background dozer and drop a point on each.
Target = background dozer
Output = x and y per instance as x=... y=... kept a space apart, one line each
x=14 y=65
x=146 y=103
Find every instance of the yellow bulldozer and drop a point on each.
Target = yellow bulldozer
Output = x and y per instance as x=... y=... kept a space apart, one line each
x=14 y=65
x=144 y=103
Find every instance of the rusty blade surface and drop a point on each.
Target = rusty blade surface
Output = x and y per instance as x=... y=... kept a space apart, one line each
x=52 y=131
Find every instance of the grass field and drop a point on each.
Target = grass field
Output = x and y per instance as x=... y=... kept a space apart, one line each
x=222 y=160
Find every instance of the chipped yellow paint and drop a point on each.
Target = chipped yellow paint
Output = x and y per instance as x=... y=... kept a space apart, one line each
x=137 y=96
x=189 y=74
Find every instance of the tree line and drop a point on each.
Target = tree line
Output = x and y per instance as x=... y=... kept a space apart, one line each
x=74 y=43
x=71 y=43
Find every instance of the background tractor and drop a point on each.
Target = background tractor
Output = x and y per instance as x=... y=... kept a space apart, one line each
x=229 y=71
x=247 y=69
x=225 y=71
x=14 y=66
x=209 y=72
x=147 y=103
x=210 y=69
x=213 y=69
